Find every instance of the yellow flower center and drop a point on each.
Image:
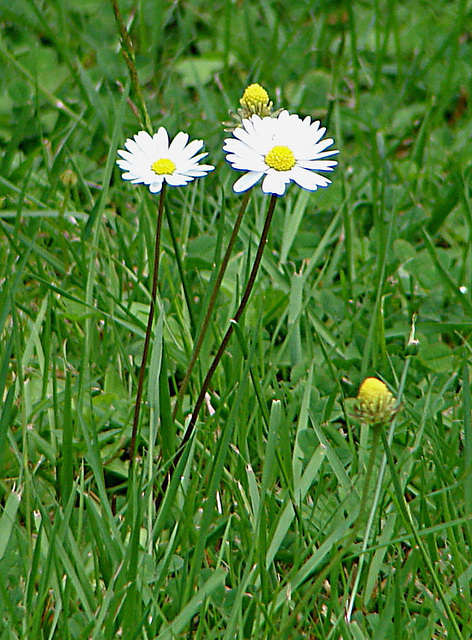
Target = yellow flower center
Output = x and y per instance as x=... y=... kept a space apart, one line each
x=372 y=389
x=280 y=158
x=375 y=402
x=163 y=166
x=254 y=98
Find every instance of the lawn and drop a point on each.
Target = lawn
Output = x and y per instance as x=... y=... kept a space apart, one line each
x=196 y=464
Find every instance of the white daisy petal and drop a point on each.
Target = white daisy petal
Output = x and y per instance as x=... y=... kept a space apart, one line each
x=144 y=143
x=235 y=146
x=274 y=183
x=247 y=181
x=283 y=149
x=132 y=146
x=204 y=168
x=161 y=141
x=326 y=154
x=309 y=180
x=155 y=187
x=322 y=145
x=151 y=160
x=192 y=148
x=126 y=155
x=177 y=180
x=178 y=143
x=128 y=176
x=248 y=163
x=318 y=165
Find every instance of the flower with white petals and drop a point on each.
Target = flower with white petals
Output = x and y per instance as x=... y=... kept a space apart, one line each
x=152 y=160
x=282 y=150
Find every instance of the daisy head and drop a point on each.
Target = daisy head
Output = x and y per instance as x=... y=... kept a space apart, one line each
x=280 y=150
x=152 y=160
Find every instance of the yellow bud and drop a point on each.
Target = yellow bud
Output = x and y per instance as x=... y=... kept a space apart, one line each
x=375 y=403
x=255 y=100
x=254 y=96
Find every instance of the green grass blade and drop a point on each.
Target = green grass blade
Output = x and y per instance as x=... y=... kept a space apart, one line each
x=8 y=519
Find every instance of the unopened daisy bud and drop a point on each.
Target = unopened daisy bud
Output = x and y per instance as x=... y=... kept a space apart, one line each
x=69 y=178
x=413 y=345
x=375 y=403
x=256 y=100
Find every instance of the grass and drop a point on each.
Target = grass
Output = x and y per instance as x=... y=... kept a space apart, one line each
x=262 y=531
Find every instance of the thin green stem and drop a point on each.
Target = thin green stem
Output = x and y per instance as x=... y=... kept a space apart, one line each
x=147 y=339
x=376 y=428
x=229 y=332
x=128 y=54
x=375 y=502
x=408 y=520
x=216 y=287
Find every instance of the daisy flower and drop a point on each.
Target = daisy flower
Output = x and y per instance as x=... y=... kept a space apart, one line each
x=152 y=160
x=282 y=150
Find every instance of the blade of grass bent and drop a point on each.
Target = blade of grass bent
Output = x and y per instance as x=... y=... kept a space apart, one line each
x=214 y=582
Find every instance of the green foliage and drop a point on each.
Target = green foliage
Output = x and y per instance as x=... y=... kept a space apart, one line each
x=251 y=539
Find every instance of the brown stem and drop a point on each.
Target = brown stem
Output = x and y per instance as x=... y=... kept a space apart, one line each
x=211 y=304
x=221 y=350
x=147 y=339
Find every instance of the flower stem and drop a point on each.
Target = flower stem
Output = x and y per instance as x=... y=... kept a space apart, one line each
x=408 y=521
x=206 y=383
x=376 y=428
x=147 y=339
x=128 y=54
x=216 y=287
x=237 y=316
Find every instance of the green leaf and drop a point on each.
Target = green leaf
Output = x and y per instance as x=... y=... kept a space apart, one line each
x=437 y=357
x=199 y=70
